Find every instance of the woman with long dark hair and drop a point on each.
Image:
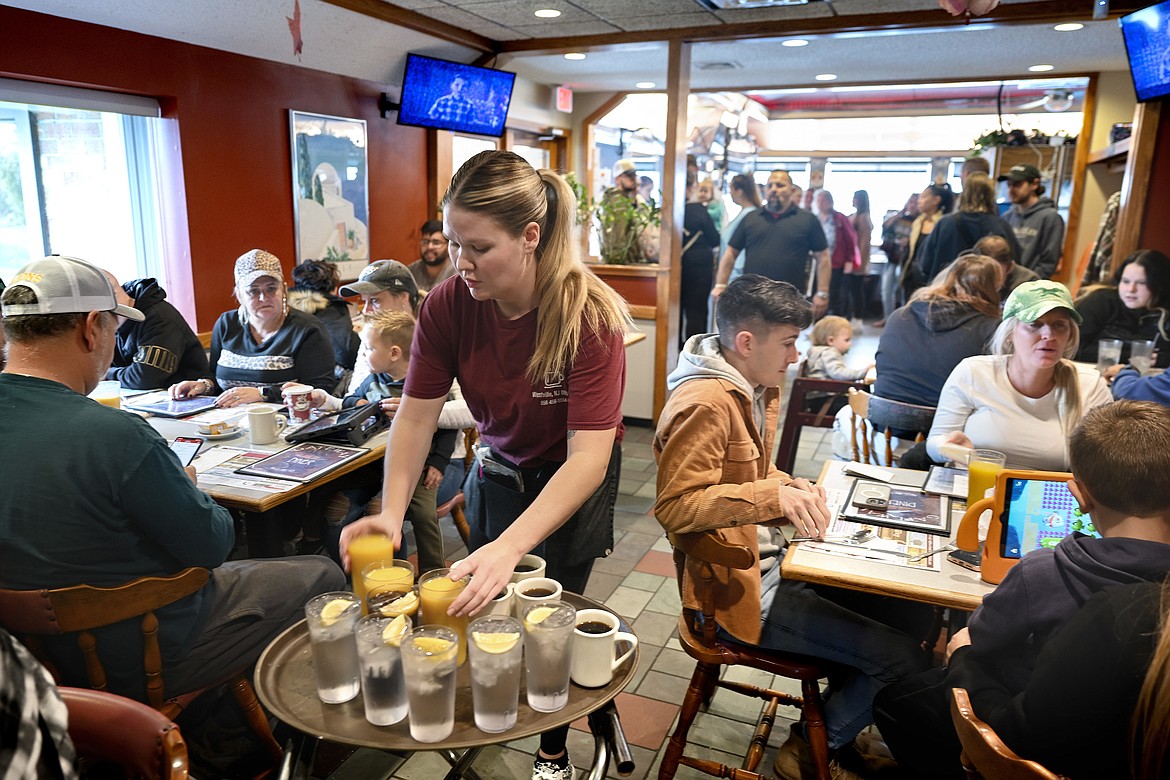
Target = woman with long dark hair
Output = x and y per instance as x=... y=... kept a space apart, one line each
x=863 y=227
x=1134 y=307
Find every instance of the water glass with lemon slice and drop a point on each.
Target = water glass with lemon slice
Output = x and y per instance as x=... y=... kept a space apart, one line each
x=331 y=618
x=379 y=641
x=548 y=654
x=378 y=574
x=429 y=662
x=393 y=600
x=437 y=591
x=496 y=649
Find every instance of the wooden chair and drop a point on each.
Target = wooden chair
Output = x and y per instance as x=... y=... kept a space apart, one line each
x=797 y=416
x=984 y=754
x=699 y=640
x=141 y=741
x=32 y=614
x=454 y=506
x=886 y=414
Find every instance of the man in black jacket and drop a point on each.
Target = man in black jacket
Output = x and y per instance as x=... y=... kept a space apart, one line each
x=159 y=351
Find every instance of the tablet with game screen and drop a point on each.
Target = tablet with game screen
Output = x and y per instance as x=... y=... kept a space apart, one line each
x=1037 y=514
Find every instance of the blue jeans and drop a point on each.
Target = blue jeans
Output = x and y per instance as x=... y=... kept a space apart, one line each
x=796 y=618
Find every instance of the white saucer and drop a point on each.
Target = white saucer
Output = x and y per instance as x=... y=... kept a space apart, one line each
x=217 y=436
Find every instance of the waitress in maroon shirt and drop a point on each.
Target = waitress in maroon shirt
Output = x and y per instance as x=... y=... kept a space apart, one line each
x=536 y=342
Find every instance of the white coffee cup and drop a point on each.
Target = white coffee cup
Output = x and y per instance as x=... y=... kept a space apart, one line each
x=524 y=592
x=501 y=604
x=264 y=425
x=298 y=399
x=537 y=565
x=593 y=653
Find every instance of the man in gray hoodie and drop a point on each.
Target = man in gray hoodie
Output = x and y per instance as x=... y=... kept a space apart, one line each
x=1038 y=227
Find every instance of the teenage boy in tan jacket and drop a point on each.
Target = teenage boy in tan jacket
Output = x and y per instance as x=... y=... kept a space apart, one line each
x=712 y=445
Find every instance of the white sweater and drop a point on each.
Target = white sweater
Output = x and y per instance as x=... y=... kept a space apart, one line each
x=979 y=400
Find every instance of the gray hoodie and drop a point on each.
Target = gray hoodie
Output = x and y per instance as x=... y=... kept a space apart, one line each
x=702 y=358
x=1040 y=231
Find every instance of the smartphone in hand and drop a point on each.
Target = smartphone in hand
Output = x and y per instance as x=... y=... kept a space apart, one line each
x=186 y=447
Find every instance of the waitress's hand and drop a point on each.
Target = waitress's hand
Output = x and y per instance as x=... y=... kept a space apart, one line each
x=491 y=567
x=238 y=396
x=390 y=406
x=370 y=524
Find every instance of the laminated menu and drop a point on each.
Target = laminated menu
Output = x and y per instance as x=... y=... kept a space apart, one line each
x=304 y=462
x=908 y=508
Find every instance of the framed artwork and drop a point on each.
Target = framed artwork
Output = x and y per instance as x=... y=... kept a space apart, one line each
x=330 y=185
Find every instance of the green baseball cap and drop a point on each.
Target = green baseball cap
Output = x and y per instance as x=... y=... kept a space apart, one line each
x=1032 y=300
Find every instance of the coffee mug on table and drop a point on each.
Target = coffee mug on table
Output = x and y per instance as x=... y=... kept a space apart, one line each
x=264 y=425
x=298 y=399
x=533 y=591
x=501 y=604
x=594 y=642
x=529 y=566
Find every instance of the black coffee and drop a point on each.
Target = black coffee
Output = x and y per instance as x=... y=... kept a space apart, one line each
x=538 y=593
x=594 y=627
x=525 y=567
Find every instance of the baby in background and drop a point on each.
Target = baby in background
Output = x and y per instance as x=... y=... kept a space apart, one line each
x=831 y=338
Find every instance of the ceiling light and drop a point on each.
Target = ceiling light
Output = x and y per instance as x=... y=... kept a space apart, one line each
x=548 y=13
x=574 y=55
x=645 y=85
x=826 y=77
x=794 y=42
x=1041 y=68
x=1068 y=27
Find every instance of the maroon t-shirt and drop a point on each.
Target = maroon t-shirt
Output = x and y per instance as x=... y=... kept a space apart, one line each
x=460 y=337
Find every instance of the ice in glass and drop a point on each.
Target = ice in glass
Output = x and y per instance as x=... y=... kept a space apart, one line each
x=548 y=654
x=331 y=618
x=429 y=662
x=495 y=646
x=379 y=641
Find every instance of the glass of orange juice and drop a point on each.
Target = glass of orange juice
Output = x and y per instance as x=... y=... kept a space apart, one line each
x=982 y=468
x=436 y=591
x=108 y=393
x=363 y=551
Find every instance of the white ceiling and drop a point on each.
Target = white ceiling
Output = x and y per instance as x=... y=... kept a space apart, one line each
x=348 y=43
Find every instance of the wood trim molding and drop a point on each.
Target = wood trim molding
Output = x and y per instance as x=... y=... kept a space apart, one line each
x=1070 y=267
x=1135 y=187
x=1053 y=11
x=205 y=339
x=674 y=186
x=411 y=20
x=644 y=312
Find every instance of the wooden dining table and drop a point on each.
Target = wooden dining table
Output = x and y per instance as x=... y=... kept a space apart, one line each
x=950 y=586
x=261 y=509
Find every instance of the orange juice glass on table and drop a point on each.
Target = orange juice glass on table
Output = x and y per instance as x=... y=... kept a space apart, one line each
x=363 y=551
x=397 y=573
x=983 y=466
x=108 y=393
x=437 y=591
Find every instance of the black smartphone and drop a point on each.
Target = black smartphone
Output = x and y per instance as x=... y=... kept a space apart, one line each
x=966 y=559
x=186 y=447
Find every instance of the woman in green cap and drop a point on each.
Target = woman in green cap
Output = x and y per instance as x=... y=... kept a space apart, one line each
x=1025 y=398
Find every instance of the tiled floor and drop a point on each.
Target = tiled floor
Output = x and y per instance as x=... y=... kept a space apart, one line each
x=637 y=581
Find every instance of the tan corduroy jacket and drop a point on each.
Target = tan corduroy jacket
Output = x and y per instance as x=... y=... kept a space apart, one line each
x=714 y=474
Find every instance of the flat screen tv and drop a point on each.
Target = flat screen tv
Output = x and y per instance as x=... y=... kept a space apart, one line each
x=1147 y=42
x=451 y=96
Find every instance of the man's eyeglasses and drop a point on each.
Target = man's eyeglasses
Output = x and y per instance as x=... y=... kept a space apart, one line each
x=268 y=291
x=434 y=241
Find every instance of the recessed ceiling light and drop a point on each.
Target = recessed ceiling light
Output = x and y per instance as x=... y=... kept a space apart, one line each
x=826 y=77
x=574 y=55
x=1041 y=68
x=1068 y=27
x=645 y=85
x=794 y=42
x=548 y=13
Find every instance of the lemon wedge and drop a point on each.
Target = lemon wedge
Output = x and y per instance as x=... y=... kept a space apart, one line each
x=495 y=642
x=333 y=611
x=539 y=615
x=396 y=629
x=402 y=605
x=433 y=645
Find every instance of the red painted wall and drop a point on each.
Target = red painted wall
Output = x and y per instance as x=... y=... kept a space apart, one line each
x=228 y=176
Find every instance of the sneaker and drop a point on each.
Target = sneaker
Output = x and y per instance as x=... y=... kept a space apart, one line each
x=794 y=762
x=545 y=769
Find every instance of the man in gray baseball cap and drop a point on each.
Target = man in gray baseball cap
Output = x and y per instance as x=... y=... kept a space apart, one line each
x=91 y=494
x=385 y=284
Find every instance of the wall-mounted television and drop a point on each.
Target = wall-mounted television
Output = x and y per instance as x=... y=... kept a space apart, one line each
x=1147 y=42
x=451 y=96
